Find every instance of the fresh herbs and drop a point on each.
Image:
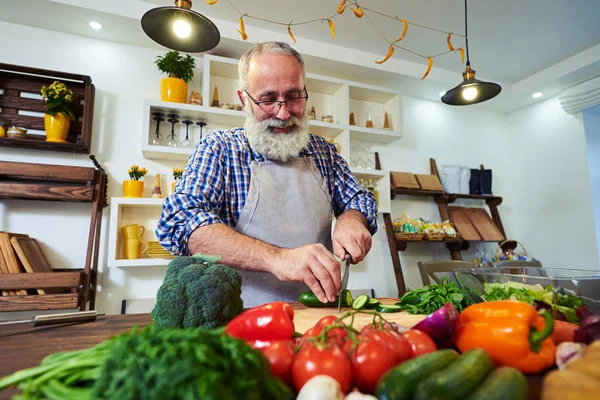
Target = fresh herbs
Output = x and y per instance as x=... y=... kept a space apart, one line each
x=154 y=364
x=176 y=65
x=434 y=296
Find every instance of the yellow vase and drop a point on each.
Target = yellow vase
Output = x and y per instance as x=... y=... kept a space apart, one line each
x=133 y=188
x=173 y=187
x=57 y=127
x=173 y=89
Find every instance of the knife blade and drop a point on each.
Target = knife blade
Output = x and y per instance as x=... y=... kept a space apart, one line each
x=50 y=319
x=344 y=281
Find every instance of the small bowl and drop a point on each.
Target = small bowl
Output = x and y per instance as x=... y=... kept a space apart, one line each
x=16 y=132
x=327 y=118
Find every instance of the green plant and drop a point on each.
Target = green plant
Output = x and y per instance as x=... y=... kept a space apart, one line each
x=58 y=99
x=177 y=173
x=135 y=172
x=176 y=65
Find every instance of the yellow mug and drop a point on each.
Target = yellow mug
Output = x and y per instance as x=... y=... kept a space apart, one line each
x=134 y=248
x=134 y=231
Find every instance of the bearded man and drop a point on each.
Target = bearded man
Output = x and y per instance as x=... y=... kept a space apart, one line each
x=263 y=197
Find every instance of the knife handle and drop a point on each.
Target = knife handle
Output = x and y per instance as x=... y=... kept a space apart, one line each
x=83 y=316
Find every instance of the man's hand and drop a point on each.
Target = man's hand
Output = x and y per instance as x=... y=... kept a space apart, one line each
x=351 y=235
x=312 y=264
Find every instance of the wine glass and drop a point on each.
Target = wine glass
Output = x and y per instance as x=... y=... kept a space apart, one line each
x=202 y=124
x=186 y=142
x=157 y=138
x=172 y=140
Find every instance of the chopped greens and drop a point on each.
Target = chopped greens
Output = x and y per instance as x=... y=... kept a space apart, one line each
x=433 y=296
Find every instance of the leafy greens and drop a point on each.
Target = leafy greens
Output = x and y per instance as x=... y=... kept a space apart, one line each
x=433 y=296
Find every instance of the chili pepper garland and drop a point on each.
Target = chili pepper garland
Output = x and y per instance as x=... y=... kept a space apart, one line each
x=359 y=12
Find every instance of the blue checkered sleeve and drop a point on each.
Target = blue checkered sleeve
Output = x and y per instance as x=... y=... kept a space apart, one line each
x=198 y=198
x=347 y=193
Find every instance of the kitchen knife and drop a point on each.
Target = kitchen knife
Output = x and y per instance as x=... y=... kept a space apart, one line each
x=344 y=281
x=39 y=320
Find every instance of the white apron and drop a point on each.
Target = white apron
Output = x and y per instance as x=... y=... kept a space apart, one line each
x=288 y=206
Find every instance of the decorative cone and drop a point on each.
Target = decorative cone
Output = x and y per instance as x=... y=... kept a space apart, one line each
x=215 y=100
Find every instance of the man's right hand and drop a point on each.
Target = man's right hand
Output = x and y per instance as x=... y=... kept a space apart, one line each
x=312 y=264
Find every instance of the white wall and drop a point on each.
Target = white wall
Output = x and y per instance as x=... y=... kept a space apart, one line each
x=125 y=75
x=591 y=120
x=551 y=186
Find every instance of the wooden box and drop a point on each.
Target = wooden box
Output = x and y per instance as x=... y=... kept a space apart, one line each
x=22 y=106
x=404 y=180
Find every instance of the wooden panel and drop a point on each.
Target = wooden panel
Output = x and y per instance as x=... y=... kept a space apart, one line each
x=60 y=173
x=33 y=259
x=38 y=302
x=405 y=180
x=429 y=182
x=463 y=224
x=10 y=257
x=484 y=225
x=27 y=104
x=41 y=279
x=18 y=190
x=44 y=72
x=39 y=142
x=37 y=123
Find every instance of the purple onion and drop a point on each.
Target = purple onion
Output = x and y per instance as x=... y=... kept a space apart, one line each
x=589 y=326
x=440 y=324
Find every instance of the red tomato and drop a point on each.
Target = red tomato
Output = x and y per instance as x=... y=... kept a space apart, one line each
x=399 y=347
x=347 y=346
x=311 y=361
x=337 y=335
x=370 y=360
x=312 y=332
x=280 y=355
x=419 y=343
x=328 y=320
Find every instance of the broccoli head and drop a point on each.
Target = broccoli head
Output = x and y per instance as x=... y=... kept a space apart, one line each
x=198 y=292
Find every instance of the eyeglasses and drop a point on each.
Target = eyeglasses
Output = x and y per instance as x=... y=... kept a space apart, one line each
x=294 y=103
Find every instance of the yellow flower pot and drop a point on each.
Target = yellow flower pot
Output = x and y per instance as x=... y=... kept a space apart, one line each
x=132 y=188
x=173 y=186
x=173 y=89
x=57 y=127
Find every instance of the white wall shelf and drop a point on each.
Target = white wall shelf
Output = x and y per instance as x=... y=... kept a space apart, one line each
x=126 y=211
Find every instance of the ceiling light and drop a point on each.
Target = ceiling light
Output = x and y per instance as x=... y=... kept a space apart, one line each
x=179 y=28
x=471 y=90
x=442 y=93
x=95 y=25
x=537 y=95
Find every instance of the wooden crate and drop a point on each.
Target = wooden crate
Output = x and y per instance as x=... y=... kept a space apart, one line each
x=35 y=302
x=22 y=106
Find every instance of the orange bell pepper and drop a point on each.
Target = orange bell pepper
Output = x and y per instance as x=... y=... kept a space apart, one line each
x=512 y=332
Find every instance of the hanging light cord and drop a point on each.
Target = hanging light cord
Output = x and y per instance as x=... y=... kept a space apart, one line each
x=467 y=36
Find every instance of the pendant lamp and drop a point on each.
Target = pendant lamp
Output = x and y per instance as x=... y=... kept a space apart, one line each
x=471 y=90
x=179 y=28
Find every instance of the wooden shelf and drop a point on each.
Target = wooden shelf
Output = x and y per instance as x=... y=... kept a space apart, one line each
x=402 y=244
x=38 y=142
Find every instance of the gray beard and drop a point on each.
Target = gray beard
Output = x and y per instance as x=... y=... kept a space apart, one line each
x=277 y=146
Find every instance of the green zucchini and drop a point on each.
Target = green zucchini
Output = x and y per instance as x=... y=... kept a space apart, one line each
x=400 y=382
x=361 y=302
x=504 y=383
x=310 y=299
x=373 y=303
x=459 y=379
x=387 y=308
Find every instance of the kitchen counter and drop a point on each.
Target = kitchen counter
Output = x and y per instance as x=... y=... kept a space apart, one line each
x=24 y=346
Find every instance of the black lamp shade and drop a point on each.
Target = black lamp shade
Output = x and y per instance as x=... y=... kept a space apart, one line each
x=158 y=25
x=485 y=91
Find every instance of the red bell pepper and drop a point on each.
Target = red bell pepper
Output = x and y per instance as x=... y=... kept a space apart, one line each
x=269 y=322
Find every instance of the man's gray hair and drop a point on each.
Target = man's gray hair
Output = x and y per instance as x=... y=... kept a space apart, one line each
x=266 y=48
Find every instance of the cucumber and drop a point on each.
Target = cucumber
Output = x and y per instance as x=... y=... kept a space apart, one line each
x=361 y=302
x=387 y=308
x=373 y=303
x=459 y=379
x=400 y=382
x=309 y=299
x=505 y=383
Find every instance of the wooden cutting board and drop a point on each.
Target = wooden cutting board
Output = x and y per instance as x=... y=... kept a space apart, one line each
x=484 y=225
x=33 y=259
x=4 y=270
x=463 y=223
x=10 y=257
x=306 y=317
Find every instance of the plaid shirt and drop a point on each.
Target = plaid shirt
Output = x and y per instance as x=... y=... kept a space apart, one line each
x=215 y=183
